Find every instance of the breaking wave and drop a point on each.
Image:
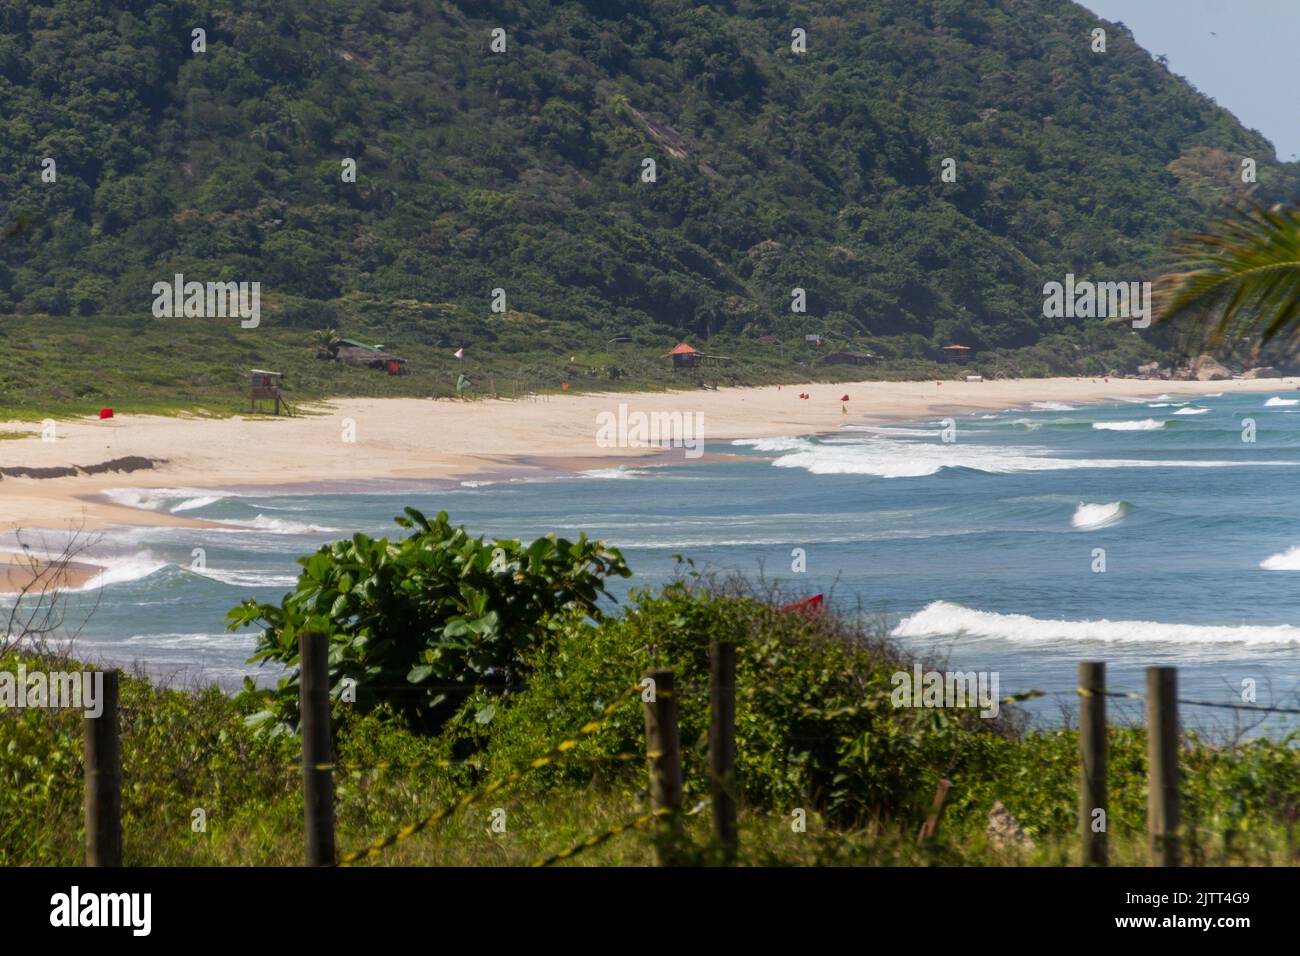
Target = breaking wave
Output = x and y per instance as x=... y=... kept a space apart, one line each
x=1092 y=517
x=943 y=619
x=894 y=459
x=1143 y=425
x=1288 y=560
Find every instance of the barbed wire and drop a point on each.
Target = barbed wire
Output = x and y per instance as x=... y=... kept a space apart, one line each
x=623 y=757
x=634 y=824
x=557 y=751
x=563 y=747
x=594 y=841
x=1133 y=695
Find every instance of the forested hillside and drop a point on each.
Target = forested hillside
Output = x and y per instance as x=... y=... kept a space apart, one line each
x=522 y=170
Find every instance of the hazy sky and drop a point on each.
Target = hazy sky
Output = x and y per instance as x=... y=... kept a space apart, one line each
x=1251 y=67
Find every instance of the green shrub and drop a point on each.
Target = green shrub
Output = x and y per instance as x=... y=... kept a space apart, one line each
x=421 y=623
x=815 y=724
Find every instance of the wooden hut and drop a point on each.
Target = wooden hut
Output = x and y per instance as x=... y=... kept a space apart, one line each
x=956 y=353
x=685 y=357
x=360 y=355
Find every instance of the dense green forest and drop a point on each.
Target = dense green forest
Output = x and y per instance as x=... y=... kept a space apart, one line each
x=523 y=170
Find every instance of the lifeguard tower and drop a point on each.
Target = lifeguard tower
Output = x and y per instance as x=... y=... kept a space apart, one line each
x=265 y=387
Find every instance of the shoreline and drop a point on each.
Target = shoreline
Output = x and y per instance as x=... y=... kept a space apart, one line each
x=362 y=443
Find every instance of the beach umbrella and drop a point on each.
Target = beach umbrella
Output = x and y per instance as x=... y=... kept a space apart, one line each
x=844 y=398
x=105 y=413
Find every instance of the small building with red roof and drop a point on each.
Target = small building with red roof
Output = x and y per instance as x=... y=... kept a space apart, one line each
x=685 y=357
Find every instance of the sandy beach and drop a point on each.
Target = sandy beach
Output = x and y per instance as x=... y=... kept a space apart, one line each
x=365 y=439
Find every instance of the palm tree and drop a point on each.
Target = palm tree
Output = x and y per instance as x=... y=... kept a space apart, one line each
x=1244 y=272
x=326 y=342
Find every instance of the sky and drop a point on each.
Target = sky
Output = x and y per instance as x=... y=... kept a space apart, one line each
x=1243 y=53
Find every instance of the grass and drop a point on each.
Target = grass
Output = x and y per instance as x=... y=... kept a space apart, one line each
x=190 y=749
x=74 y=365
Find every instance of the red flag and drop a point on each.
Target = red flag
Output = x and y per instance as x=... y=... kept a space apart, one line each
x=105 y=413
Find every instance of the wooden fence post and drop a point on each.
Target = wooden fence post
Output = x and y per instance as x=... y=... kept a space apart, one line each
x=317 y=747
x=664 y=754
x=722 y=745
x=1162 y=765
x=930 y=828
x=1092 y=759
x=103 y=781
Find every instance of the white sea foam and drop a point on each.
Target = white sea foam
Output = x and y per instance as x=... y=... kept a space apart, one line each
x=153 y=499
x=1275 y=401
x=1143 y=425
x=1191 y=411
x=199 y=640
x=896 y=431
x=1288 y=560
x=1092 y=517
x=1054 y=406
x=893 y=459
x=275 y=526
x=619 y=472
x=245 y=579
x=910 y=459
x=124 y=570
x=202 y=501
x=942 y=619
x=774 y=444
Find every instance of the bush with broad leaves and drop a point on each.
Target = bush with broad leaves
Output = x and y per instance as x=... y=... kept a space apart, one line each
x=423 y=623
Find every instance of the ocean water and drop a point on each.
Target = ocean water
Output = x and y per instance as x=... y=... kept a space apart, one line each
x=983 y=551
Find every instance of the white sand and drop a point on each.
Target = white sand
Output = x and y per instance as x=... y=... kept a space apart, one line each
x=420 y=438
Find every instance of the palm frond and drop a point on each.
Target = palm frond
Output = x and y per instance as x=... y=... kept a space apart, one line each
x=1243 y=274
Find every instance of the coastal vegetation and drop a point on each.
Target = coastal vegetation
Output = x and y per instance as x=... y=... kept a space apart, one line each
x=1242 y=277
x=521 y=171
x=456 y=661
x=817 y=731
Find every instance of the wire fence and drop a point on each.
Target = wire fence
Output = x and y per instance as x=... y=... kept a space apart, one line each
x=555 y=753
x=644 y=820
x=663 y=756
